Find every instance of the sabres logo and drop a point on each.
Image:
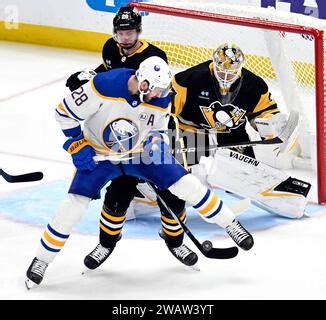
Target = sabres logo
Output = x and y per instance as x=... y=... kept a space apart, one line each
x=223 y=118
x=121 y=135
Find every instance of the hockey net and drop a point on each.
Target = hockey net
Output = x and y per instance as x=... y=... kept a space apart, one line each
x=286 y=49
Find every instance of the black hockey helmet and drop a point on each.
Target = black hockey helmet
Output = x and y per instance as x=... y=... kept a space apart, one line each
x=127 y=18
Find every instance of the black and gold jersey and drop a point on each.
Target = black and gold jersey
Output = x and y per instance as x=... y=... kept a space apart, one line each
x=113 y=56
x=198 y=104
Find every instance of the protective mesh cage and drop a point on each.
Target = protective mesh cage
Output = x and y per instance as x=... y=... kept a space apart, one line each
x=285 y=54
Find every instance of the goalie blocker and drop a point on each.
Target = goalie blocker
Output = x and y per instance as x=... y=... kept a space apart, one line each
x=270 y=188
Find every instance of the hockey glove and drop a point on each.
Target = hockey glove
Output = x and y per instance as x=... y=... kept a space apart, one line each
x=77 y=79
x=81 y=152
x=157 y=149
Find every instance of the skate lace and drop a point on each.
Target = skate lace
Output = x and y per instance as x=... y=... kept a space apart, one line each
x=182 y=251
x=237 y=232
x=39 y=267
x=99 y=253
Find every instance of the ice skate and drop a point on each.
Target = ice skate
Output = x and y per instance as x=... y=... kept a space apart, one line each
x=95 y=258
x=240 y=235
x=35 y=273
x=182 y=253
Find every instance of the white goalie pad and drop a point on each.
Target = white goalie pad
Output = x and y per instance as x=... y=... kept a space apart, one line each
x=270 y=188
x=143 y=203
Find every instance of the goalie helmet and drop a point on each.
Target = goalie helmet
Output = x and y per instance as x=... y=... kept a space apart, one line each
x=127 y=18
x=228 y=61
x=157 y=73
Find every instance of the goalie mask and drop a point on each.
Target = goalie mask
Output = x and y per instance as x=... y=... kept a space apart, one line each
x=156 y=72
x=228 y=61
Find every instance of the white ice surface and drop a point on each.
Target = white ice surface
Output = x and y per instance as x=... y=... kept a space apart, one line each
x=288 y=260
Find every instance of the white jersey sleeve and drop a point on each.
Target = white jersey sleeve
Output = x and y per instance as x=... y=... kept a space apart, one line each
x=75 y=107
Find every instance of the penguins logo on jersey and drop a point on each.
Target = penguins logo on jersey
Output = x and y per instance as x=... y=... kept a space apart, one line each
x=223 y=118
x=121 y=135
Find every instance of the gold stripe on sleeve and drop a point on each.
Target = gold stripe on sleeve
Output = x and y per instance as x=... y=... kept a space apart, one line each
x=264 y=103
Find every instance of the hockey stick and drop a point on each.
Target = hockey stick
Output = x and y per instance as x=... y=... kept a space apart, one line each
x=27 y=177
x=291 y=125
x=206 y=248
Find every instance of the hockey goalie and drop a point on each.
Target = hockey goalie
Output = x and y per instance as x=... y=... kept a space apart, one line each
x=215 y=103
x=269 y=188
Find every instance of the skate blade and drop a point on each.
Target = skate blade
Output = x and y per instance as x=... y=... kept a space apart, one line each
x=86 y=271
x=252 y=252
x=195 y=267
x=29 y=284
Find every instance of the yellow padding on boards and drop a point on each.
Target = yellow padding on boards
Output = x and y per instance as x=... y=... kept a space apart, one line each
x=54 y=36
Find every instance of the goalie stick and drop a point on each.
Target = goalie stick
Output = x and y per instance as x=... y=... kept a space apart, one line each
x=206 y=248
x=27 y=177
x=291 y=125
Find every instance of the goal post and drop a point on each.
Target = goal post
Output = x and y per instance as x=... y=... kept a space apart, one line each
x=285 y=49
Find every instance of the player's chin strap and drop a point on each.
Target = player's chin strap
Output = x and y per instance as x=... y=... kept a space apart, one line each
x=142 y=93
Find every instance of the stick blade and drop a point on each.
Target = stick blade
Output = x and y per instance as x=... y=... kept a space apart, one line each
x=221 y=253
x=28 y=177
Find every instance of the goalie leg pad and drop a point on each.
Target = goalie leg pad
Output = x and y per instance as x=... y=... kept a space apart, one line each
x=144 y=202
x=295 y=186
x=269 y=187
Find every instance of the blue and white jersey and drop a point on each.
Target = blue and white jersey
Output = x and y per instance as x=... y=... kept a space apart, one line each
x=115 y=122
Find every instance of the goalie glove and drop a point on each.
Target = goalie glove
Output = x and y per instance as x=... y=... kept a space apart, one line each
x=281 y=155
x=79 y=78
x=271 y=127
x=81 y=152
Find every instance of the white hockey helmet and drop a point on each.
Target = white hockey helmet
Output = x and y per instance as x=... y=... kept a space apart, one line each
x=228 y=61
x=157 y=73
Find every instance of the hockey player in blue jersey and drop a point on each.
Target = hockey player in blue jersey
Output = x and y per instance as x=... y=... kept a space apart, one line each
x=124 y=112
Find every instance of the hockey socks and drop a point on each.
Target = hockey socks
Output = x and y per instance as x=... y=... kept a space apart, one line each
x=52 y=242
